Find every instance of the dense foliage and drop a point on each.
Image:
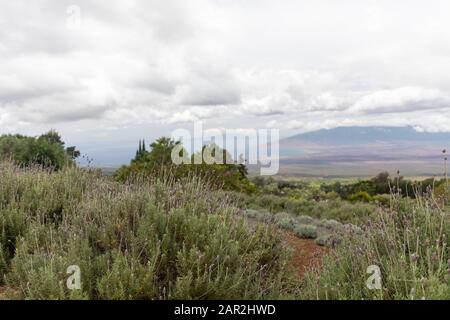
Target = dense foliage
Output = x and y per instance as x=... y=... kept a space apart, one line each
x=382 y=184
x=377 y=189
x=47 y=150
x=343 y=211
x=408 y=242
x=157 y=162
x=146 y=240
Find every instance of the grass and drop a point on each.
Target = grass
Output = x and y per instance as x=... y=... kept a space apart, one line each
x=157 y=239
x=167 y=239
x=343 y=211
x=408 y=242
x=307 y=231
x=326 y=232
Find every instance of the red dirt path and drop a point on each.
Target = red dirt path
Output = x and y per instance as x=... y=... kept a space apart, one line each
x=306 y=255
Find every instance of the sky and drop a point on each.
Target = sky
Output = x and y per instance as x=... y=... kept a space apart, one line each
x=107 y=73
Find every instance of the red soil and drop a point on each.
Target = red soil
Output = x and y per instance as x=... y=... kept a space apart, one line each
x=307 y=255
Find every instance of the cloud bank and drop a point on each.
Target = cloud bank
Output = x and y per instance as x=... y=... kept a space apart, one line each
x=109 y=66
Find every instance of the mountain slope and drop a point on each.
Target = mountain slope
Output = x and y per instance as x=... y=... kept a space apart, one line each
x=355 y=135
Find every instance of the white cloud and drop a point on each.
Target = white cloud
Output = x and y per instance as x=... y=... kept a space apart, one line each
x=196 y=113
x=301 y=65
x=406 y=99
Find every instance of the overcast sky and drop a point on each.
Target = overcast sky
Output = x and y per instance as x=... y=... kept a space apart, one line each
x=132 y=69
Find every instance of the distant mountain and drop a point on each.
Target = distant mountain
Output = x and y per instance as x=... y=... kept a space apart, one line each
x=363 y=135
x=364 y=151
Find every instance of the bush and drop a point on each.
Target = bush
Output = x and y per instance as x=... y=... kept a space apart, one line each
x=407 y=243
x=272 y=202
x=442 y=193
x=47 y=150
x=225 y=174
x=305 y=220
x=148 y=240
x=251 y=213
x=259 y=215
x=352 y=229
x=283 y=215
x=331 y=224
x=343 y=211
x=383 y=199
x=306 y=231
x=361 y=196
x=286 y=223
x=322 y=240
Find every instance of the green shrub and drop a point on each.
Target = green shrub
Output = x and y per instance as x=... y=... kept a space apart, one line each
x=286 y=223
x=361 y=196
x=283 y=215
x=342 y=211
x=259 y=215
x=442 y=193
x=155 y=239
x=47 y=150
x=383 y=199
x=305 y=220
x=272 y=203
x=264 y=216
x=306 y=231
x=229 y=176
x=322 y=240
x=251 y=213
x=352 y=229
x=328 y=240
x=409 y=245
x=331 y=224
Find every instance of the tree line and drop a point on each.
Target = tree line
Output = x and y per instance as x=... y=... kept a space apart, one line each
x=47 y=150
x=158 y=159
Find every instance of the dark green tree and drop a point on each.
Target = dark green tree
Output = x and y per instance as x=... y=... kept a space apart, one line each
x=47 y=150
x=161 y=151
x=229 y=176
